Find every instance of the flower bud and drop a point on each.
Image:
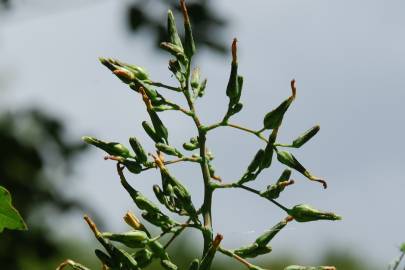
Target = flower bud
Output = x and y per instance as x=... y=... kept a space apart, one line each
x=132 y=239
x=133 y=221
x=174 y=50
x=309 y=134
x=305 y=213
x=172 y=30
x=112 y=148
x=190 y=146
x=140 y=153
x=201 y=89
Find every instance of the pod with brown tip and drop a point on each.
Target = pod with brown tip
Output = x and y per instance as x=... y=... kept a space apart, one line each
x=306 y=213
x=167 y=149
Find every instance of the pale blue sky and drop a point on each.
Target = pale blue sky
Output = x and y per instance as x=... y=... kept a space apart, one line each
x=348 y=58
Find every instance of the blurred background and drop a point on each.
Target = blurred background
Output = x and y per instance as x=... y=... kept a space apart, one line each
x=348 y=59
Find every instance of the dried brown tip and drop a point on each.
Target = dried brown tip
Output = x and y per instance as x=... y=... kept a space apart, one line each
x=145 y=98
x=217 y=178
x=287 y=183
x=158 y=161
x=132 y=221
x=184 y=11
x=293 y=88
x=64 y=264
x=119 y=159
x=92 y=226
x=234 y=50
x=217 y=240
x=288 y=219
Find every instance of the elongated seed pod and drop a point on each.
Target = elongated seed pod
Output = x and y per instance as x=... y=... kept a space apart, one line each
x=172 y=30
x=252 y=251
x=167 y=149
x=140 y=153
x=268 y=151
x=306 y=213
x=266 y=237
x=133 y=239
x=302 y=139
x=232 y=89
x=189 y=45
x=151 y=132
x=160 y=128
x=168 y=265
x=132 y=166
x=112 y=148
x=254 y=165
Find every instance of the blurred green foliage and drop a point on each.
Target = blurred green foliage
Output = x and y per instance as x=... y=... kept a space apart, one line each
x=35 y=154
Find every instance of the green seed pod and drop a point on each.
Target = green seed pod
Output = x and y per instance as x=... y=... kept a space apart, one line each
x=141 y=155
x=132 y=166
x=159 y=194
x=194 y=265
x=107 y=63
x=143 y=257
x=137 y=71
x=172 y=30
x=274 y=118
x=309 y=134
x=190 y=146
x=305 y=213
x=151 y=132
x=185 y=201
x=167 y=149
x=252 y=251
x=158 y=250
x=132 y=239
x=268 y=151
x=160 y=129
x=254 y=165
x=112 y=148
x=232 y=89
x=159 y=219
x=168 y=265
x=266 y=237
x=104 y=258
x=145 y=204
x=273 y=191
x=285 y=176
x=189 y=45
x=288 y=159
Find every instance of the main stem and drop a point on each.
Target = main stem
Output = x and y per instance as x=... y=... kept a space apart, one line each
x=206 y=207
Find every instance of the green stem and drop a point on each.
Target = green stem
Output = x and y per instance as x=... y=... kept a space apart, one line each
x=225 y=124
x=158 y=84
x=398 y=261
x=207 y=203
x=238 y=258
